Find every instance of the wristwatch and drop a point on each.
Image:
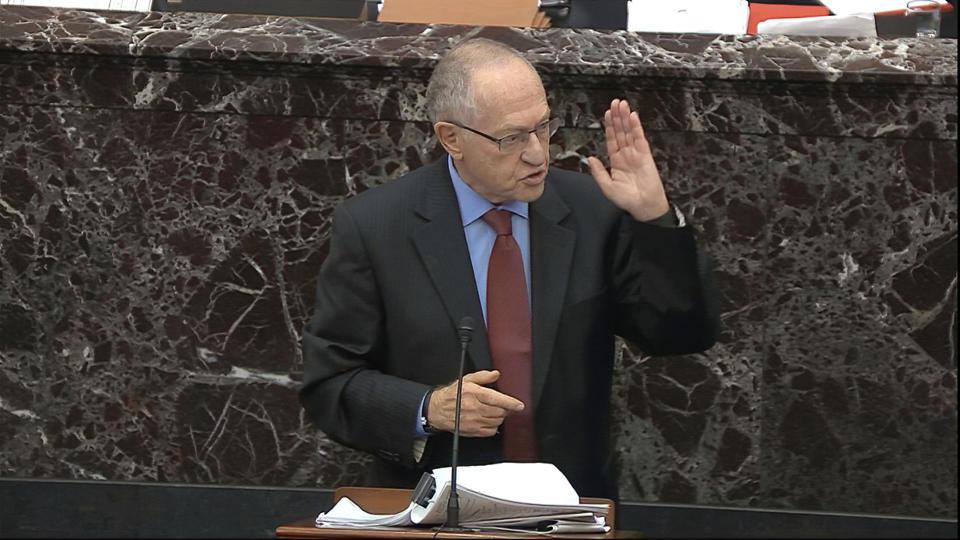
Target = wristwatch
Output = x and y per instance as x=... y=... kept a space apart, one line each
x=427 y=428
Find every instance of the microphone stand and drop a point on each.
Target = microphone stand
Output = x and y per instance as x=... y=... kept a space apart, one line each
x=465 y=332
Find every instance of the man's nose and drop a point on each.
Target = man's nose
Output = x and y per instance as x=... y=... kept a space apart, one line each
x=535 y=152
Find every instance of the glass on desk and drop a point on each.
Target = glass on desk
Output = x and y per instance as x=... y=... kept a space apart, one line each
x=926 y=15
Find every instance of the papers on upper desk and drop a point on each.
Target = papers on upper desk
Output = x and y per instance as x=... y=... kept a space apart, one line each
x=693 y=16
x=503 y=496
x=851 y=7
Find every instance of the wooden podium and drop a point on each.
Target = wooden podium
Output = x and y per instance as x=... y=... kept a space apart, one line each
x=391 y=501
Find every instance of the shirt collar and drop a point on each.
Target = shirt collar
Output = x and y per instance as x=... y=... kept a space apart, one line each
x=473 y=206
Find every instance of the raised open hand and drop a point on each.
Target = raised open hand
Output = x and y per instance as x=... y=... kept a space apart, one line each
x=633 y=183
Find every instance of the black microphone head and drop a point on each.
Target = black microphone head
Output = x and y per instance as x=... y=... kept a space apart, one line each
x=465 y=329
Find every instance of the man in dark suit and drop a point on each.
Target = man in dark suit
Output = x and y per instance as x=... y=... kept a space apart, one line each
x=409 y=259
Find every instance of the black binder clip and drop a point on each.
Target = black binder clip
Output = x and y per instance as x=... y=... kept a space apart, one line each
x=426 y=487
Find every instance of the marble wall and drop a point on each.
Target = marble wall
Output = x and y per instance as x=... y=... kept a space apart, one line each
x=165 y=201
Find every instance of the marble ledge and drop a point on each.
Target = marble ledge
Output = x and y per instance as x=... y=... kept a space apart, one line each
x=268 y=39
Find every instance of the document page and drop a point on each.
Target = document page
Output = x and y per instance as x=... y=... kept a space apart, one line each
x=689 y=16
x=535 y=483
x=531 y=495
x=850 y=7
x=478 y=508
x=346 y=513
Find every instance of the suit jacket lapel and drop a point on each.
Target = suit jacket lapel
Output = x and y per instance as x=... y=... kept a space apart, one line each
x=447 y=259
x=551 y=256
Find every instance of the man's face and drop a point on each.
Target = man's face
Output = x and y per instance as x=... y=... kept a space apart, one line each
x=510 y=99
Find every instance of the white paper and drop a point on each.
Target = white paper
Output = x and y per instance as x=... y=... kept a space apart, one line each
x=477 y=508
x=346 y=513
x=583 y=517
x=573 y=527
x=516 y=494
x=531 y=483
x=862 y=25
x=559 y=527
x=849 y=7
x=689 y=16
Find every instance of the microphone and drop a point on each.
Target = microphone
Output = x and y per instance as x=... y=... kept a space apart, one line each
x=465 y=333
x=465 y=330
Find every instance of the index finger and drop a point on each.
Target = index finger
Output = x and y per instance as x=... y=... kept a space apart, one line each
x=489 y=396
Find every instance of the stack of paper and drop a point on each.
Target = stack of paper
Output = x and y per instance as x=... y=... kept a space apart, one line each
x=693 y=16
x=853 y=7
x=856 y=25
x=851 y=18
x=504 y=496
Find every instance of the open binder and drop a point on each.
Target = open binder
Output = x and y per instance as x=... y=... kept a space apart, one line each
x=505 y=498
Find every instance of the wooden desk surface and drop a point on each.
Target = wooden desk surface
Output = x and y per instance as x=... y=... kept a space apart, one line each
x=390 y=501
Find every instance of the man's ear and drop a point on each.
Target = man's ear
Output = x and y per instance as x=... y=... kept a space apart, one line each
x=451 y=138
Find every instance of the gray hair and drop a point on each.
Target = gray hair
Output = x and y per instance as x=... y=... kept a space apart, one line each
x=449 y=92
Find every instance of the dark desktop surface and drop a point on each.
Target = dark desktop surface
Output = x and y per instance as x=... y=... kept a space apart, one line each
x=594 y=14
x=898 y=26
x=34 y=508
x=335 y=9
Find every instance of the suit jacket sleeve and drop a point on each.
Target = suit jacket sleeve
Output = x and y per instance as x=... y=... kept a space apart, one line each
x=344 y=389
x=666 y=294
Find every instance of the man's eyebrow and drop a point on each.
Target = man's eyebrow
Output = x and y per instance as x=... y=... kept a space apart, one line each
x=516 y=128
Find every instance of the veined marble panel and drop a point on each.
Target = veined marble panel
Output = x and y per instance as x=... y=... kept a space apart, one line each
x=860 y=375
x=617 y=53
x=167 y=183
x=163 y=280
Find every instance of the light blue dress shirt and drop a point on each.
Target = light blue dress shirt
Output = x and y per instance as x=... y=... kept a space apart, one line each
x=480 y=238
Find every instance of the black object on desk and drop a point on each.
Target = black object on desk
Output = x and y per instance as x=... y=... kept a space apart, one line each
x=334 y=9
x=594 y=14
x=894 y=26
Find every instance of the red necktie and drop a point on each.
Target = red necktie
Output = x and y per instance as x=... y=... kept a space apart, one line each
x=508 y=328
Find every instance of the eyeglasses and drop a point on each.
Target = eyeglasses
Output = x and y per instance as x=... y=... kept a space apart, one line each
x=515 y=142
